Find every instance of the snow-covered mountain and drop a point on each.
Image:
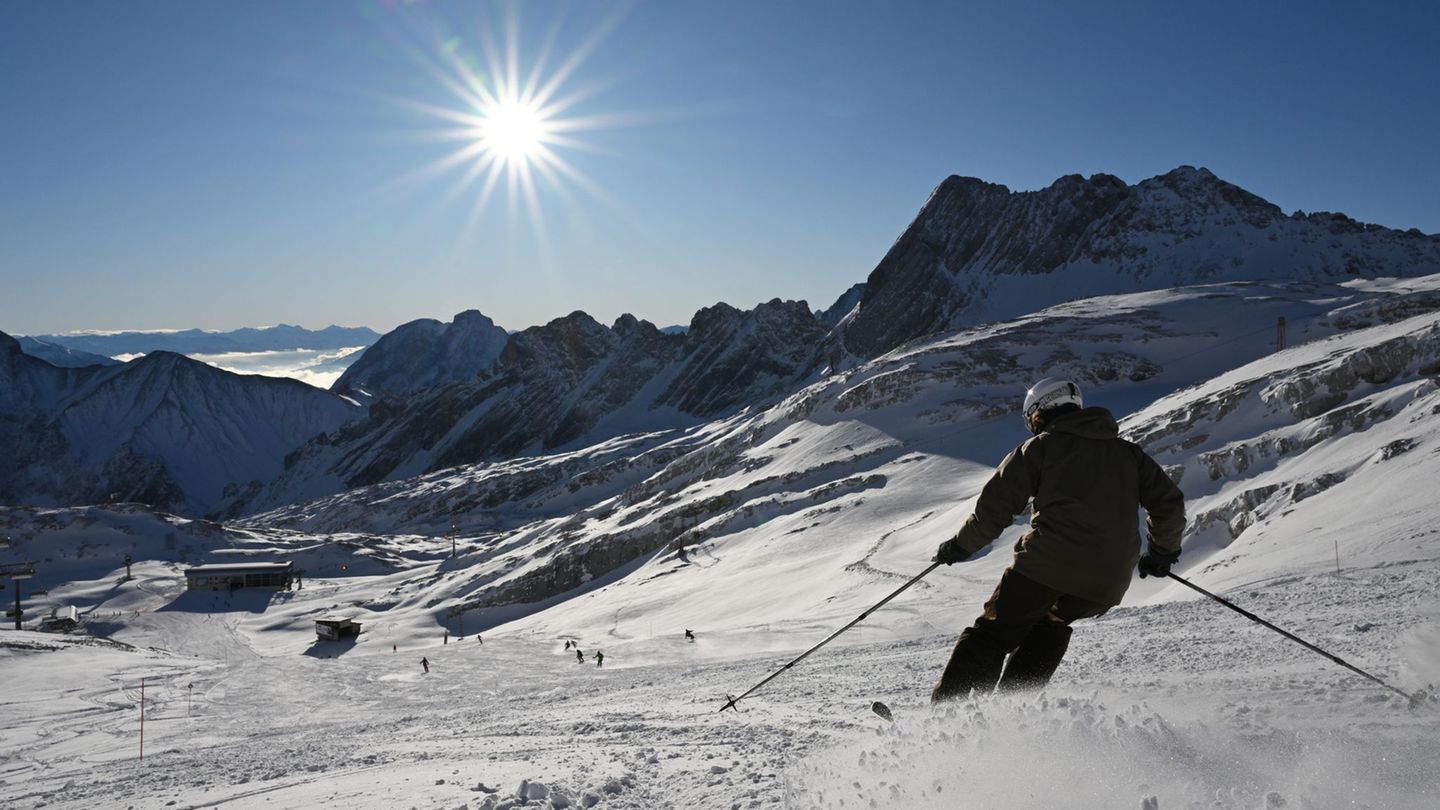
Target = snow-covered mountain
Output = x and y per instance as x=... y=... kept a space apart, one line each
x=197 y=341
x=162 y=429
x=423 y=353
x=979 y=252
x=570 y=382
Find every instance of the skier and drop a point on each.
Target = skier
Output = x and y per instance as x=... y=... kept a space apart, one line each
x=579 y=656
x=567 y=644
x=479 y=639
x=599 y=658
x=1075 y=561
x=447 y=638
x=425 y=664
x=689 y=636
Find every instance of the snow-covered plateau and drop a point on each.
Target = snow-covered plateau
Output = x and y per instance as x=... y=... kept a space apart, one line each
x=1309 y=474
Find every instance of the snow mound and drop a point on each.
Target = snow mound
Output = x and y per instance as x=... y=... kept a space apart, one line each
x=1076 y=752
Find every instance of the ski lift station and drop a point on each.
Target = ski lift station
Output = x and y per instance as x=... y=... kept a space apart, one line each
x=233 y=576
x=335 y=628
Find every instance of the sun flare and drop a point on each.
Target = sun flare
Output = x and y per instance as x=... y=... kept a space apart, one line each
x=515 y=123
x=512 y=131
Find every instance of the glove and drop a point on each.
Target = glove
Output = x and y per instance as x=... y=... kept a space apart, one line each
x=1156 y=563
x=950 y=552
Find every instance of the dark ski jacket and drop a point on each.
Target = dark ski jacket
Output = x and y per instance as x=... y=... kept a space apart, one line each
x=1087 y=485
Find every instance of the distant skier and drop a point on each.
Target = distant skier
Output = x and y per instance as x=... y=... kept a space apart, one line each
x=425 y=664
x=1087 y=485
x=579 y=656
x=567 y=645
x=447 y=638
x=599 y=658
x=479 y=639
x=689 y=636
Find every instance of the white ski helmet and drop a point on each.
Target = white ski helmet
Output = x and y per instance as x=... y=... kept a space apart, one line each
x=1051 y=392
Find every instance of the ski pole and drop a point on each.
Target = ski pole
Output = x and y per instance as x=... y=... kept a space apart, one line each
x=733 y=700
x=1414 y=699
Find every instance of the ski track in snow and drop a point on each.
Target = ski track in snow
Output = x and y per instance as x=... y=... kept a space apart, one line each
x=1180 y=703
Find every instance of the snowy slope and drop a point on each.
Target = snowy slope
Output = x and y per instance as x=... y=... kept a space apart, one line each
x=792 y=521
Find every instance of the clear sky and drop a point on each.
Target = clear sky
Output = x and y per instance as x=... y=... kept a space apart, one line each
x=226 y=164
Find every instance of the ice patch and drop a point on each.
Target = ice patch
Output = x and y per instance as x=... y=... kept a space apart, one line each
x=1078 y=753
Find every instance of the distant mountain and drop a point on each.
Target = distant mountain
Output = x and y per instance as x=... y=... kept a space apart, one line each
x=164 y=430
x=57 y=355
x=423 y=353
x=979 y=252
x=570 y=382
x=195 y=341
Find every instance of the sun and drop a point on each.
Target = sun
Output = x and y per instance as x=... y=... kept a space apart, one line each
x=512 y=124
x=513 y=131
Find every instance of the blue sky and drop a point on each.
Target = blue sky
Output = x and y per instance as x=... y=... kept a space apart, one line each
x=168 y=165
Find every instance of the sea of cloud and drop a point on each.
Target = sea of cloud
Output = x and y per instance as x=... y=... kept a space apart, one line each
x=317 y=367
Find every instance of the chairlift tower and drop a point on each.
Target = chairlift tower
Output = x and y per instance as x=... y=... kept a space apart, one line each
x=16 y=572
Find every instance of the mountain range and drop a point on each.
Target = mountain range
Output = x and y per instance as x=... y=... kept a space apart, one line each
x=197 y=341
x=441 y=395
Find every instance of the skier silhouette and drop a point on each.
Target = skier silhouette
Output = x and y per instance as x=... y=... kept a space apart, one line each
x=567 y=645
x=424 y=662
x=599 y=658
x=579 y=656
x=689 y=636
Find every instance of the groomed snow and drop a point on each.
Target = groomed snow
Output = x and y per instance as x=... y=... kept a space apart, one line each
x=791 y=522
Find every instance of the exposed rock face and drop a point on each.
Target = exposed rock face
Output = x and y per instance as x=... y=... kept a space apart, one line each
x=163 y=429
x=978 y=251
x=733 y=358
x=424 y=353
x=572 y=380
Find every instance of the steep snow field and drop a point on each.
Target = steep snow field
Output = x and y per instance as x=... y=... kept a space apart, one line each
x=1309 y=474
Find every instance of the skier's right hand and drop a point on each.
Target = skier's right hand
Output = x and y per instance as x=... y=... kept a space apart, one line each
x=950 y=552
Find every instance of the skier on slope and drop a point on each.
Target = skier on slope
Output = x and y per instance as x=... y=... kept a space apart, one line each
x=425 y=664
x=689 y=636
x=599 y=658
x=1075 y=562
x=579 y=656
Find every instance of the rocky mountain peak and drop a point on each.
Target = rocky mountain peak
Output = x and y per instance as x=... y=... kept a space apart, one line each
x=423 y=353
x=978 y=251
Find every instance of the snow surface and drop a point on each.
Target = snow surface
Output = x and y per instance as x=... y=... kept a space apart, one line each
x=763 y=533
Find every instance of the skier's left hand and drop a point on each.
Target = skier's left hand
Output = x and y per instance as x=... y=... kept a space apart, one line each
x=1156 y=563
x=950 y=552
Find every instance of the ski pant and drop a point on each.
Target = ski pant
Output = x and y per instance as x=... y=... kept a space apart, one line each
x=1023 y=619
